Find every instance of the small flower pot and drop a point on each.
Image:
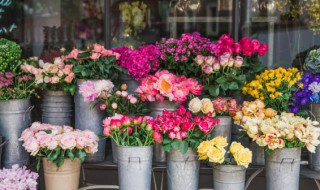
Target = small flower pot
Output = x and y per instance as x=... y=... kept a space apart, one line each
x=65 y=178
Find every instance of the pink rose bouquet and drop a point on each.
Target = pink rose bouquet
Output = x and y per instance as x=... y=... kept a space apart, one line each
x=17 y=178
x=51 y=76
x=180 y=130
x=127 y=131
x=112 y=100
x=94 y=63
x=139 y=62
x=216 y=107
x=165 y=84
x=57 y=143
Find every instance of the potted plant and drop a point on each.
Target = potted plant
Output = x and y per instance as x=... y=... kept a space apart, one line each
x=283 y=136
x=165 y=90
x=138 y=63
x=92 y=64
x=16 y=88
x=222 y=109
x=180 y=134
x=228 y=173
x=62 y=150
x=133 y=136
x=18 y=177
x=112 y=101
x=57 y=81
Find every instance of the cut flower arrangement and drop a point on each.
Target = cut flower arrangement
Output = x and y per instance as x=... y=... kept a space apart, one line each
x=56 y=76
x=277 y=131
x=274 y=87
x=14 y=82
x=127 y=131
x=216 y=107
x=17 y=178
x=214 y=151
x=139 y=62
x=167 y=85
x=57 y=143
x=308 y=90
x=111 y=100
x=180 y=130
x=94 y=63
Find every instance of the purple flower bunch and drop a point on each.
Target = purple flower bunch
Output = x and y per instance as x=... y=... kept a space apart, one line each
x=6 y=79
x=18 y=178
x=188 y=45
x=139 y=62
x=308 y=90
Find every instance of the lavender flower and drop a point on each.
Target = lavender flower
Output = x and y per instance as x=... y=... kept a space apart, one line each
x=18 y=179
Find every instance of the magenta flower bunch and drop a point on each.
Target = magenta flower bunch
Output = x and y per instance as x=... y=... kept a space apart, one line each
x=177 y=54
x=139 y=62
x=17 y=178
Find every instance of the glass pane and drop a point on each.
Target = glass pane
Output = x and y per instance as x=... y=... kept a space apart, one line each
x=146 y=22
x=288 y=27
x=42 y=27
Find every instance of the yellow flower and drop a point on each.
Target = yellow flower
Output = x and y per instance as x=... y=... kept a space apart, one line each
x=301 y=85
x=235 y=147
x=219 y=141
x=203 y=149
x=243 y=157
x=216 y=154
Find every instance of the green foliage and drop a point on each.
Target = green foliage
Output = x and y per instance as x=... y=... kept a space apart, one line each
x=101 y=68
x=10 y=53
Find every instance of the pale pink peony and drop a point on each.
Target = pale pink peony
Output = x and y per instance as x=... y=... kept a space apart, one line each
x=68 y=141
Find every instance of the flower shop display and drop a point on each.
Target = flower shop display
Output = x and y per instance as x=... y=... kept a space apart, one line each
x=92 y=64
x=61 y=149
x=18 y=178
x=180 y=133
x=274 y=87
x=57 y=81
x=226 y=175
x=283 y=136
x=222 y=109
x=134 y=139
x=16 y=87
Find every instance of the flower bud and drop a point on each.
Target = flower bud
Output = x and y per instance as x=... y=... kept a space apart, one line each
x=114 y=106
x=124 y=87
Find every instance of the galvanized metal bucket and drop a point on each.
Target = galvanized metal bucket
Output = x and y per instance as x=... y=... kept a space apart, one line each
x=223 y=129
x=65 y=178
x=130 y=82
x=257 y=154
x=182 y=170
x=314 y=158
x=57 y=108
x=229 y=177
x=283 y=168
x=159 y=155
x=90 y=118
x=15 y=116
x=134 y=167
x=114 y=152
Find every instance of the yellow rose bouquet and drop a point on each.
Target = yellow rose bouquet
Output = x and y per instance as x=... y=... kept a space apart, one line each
x=274 y=87
x=214 y=151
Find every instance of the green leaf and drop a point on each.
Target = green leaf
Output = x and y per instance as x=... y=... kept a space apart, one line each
x=183 y=147
x=233 y=86
x=166 y=141
x=70 y=154
x=221 y=80
x=225 y=86
x=53 y=155
x=166 y=147
x=176 y=144
x=214 y=91
x=81 y=155
x=139 y=141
